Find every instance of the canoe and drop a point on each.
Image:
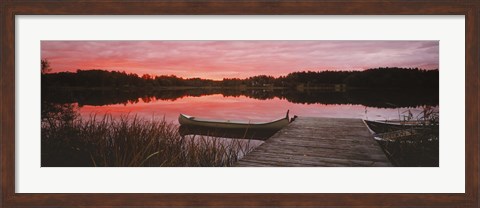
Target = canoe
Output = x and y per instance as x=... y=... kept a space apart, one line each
x=255 y=134
x=394 y=125
x=407 y=135
x=229 y=124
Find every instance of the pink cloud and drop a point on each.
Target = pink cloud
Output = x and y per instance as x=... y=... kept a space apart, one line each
x=227 y=59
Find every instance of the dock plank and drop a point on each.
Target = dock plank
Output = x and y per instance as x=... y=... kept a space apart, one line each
x=319 y=142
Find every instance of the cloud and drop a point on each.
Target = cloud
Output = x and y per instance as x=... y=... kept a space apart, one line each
x=219 y=59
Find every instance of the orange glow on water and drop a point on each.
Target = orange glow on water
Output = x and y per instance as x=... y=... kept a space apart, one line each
x=237 y=108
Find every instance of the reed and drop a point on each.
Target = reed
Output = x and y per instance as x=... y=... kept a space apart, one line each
x=421 y=153
x=422 y=150
x=130 y=141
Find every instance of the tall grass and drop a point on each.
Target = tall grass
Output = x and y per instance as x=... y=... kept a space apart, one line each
x=422 y=149
x=130 y=141
x=421 y=153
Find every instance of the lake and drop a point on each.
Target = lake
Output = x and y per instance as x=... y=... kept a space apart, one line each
x=254 y=105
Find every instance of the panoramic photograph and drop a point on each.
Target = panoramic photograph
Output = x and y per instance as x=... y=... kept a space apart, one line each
x=240 y=103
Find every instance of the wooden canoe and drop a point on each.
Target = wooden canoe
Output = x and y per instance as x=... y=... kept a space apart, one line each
x=394 y=125
x=255 y=134
x=229 y=124
x=407 y=135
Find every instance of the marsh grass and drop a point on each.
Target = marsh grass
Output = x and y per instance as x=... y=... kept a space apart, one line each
x=422 y=153
x=129 y=141
x=422 y=149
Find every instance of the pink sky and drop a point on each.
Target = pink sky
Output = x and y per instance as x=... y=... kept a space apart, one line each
x=241 y=59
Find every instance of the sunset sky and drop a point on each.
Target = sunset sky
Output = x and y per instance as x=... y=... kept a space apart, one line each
x=240 y=59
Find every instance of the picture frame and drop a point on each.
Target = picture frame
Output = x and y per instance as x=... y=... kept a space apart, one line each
x=9 y=9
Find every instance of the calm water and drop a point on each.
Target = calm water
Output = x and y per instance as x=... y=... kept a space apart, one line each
x=256 y=106
x=248 y=107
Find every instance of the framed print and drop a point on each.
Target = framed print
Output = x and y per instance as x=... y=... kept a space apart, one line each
x=259 y=103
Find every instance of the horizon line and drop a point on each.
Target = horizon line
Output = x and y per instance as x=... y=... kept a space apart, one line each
x=173 y=75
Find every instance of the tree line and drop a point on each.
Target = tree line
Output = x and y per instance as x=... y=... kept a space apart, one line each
x=370 y=98
x=385 y=77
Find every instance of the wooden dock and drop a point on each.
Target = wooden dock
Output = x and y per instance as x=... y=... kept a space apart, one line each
x=319 y=142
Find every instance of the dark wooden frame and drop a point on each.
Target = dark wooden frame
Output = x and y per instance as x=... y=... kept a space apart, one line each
x=469 y=8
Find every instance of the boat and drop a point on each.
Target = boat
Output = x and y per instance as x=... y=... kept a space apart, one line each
x=230 y=124
x=394 y=125
x=254 y=134
x=407 y=135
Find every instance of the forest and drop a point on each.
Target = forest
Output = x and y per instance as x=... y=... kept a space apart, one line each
x=385 y=78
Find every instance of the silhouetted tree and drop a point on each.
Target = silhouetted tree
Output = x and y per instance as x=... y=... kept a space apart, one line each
x=45 y=66
x=394 y=78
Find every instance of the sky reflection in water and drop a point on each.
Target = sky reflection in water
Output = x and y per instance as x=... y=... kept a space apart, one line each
x=240 y=108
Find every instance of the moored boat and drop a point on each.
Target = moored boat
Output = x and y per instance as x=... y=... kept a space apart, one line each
x=229 y=124
x=407 y=135
x=255 y=134
x=394 y=125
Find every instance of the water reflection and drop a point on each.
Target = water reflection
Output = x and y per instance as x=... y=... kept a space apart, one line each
x=369 y=98
x=250 y=105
